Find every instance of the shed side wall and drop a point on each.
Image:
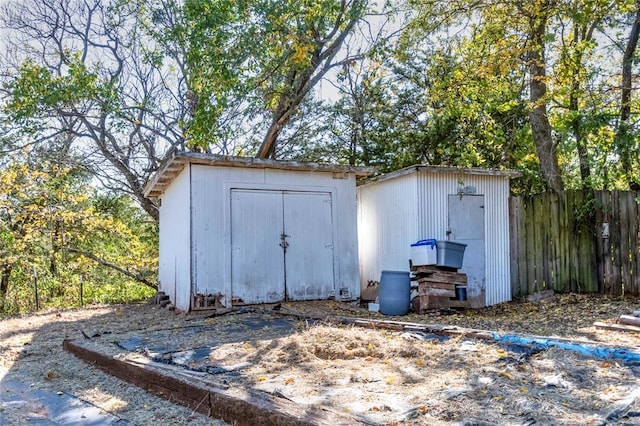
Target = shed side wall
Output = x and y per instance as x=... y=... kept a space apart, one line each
x=174 y=261
x=434 y=189
x=387 y=226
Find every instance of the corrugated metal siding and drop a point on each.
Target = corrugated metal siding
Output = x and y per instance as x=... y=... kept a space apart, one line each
x=497 y=226
x=174 y=262
x=387 y=226
x=434 y=189
x=396 y=212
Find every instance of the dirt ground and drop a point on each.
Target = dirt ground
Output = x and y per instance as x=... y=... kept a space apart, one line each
x=371 y=376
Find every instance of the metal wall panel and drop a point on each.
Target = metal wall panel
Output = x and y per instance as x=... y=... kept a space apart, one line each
x=466 y=225
x=345 y=234
x=434 y=190
x=174 y=261
x=212 y=218
x=257 y=261
x=309 y=259
x=412 y=205
x=387 y=226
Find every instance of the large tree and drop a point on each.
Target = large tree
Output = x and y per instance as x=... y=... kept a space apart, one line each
x=557 y=61
x=626 y=134
x=86 y=73
x=253 y=63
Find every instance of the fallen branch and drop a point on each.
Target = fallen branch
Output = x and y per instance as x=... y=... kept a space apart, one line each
x=112 y=266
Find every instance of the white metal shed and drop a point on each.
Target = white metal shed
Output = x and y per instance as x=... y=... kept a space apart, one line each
x=247 y=230
x=469 y=206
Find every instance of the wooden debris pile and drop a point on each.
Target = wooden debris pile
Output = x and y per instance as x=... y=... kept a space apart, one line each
x=161 y=299
x=437 y=288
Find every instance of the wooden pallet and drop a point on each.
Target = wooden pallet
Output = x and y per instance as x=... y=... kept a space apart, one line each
x=433 y=274
x=437 y=288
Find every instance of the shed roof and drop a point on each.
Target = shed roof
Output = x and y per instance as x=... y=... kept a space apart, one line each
x=173 y=164
x=444 y=170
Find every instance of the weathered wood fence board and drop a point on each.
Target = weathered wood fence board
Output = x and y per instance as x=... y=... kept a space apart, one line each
x=561 y=242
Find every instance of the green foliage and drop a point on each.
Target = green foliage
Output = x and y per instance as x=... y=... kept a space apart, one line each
x=46 y=210
x=423 y=104
x=249 y=60
x=453 y=89
x=37 y=90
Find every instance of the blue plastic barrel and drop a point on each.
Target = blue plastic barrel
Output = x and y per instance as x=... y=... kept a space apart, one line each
x=395 y=292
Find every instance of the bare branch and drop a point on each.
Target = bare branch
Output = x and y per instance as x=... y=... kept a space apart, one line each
x=103 y=262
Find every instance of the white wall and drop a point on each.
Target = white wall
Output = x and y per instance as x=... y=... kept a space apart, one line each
x=388 y=224
x=175 y=238
x=435 y=189
x=211 y=245
x=395 y=212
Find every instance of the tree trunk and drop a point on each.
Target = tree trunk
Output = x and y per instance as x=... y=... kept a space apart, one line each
x=540 y=126
x=583 y=156
x=580 y=35
x=5 y=274
x=268 y=147
x=301 y=81
x=623 y=135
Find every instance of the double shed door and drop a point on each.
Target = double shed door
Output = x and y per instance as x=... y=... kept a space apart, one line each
x=281 y=245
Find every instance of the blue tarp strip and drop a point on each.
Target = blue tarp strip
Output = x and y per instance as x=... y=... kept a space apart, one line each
x=584 y=349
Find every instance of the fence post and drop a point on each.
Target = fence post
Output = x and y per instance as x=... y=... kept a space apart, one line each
x=81 y=299
x=35 y=285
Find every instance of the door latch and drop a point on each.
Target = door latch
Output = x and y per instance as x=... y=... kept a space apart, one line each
x=283 y=241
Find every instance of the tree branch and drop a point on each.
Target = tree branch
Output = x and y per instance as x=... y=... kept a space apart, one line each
x=112 y=266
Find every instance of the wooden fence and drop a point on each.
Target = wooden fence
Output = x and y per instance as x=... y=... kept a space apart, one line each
x=580 y=241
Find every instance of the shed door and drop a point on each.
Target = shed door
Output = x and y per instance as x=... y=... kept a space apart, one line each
x=309 y=255
x=281 y=245
x=466 y=225
x=257 y=272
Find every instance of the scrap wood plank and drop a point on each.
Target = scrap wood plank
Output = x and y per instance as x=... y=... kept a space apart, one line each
x=458 y=303
x=427 y=328
x=439 y=292
x=426 y=284
x=424 y=290
x=629 y=320
x=452 y=278
x=443 y=277
x=616 y=327
x=429 y=268
x=426 y=302
x=241 y=407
